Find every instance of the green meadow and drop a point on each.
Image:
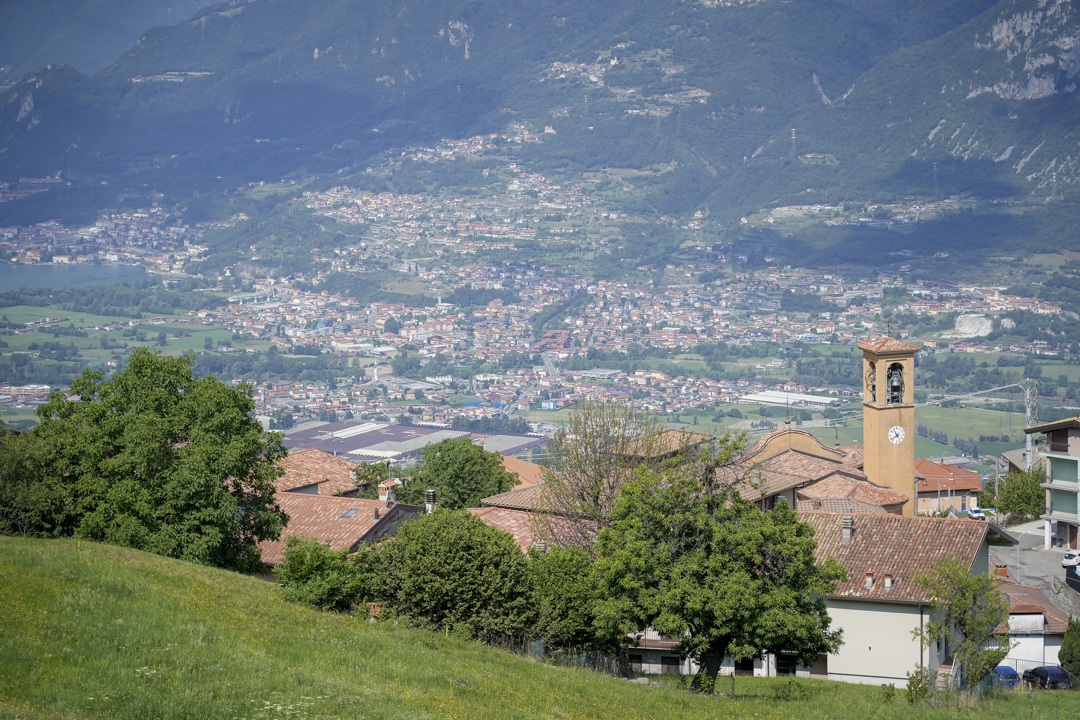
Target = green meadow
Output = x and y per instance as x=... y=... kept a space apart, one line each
x=94 y=631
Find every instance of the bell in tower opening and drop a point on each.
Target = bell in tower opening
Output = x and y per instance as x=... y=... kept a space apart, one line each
x=894 y=381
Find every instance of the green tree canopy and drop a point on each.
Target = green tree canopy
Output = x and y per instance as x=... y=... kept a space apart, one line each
x=1019 y=495
x=449 y=571
x=461 y=472
x=565 y=594
x=1069 y=653
x=156 y=459
x=684 y=554
x=328 y=579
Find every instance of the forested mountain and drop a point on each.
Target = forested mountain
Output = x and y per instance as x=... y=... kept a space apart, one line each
x=742 y=103
x=88 y=34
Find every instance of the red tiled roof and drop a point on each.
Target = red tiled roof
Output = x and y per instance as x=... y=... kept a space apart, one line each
x=1028 y=600
x=892 y=544
x=846 y=506
x=323 y=518
x=523 y=498
x=937 y=477
x=786 y=470
x=518 y=523
x=303 y=468
x=523 y=524
x=528 y=473
x=838 y=487
x=888 y=346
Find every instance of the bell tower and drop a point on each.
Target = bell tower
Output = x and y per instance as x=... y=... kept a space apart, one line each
x=889 y=416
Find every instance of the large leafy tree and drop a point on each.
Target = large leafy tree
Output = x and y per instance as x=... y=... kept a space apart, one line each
x=461 y=472
x=156 y=459
x=969 y=609
x=591 y=457
x=449 y=571
x=684 y=554
x=565 y=595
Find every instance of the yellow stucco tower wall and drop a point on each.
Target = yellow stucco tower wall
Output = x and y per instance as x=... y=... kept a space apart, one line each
x=889 y=416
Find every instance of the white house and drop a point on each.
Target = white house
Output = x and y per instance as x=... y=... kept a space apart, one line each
x=881 y=604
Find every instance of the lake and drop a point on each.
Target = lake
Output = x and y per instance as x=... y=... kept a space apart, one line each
x=13 y=277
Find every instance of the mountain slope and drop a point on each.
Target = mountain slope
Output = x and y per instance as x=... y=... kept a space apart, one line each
x=89 y=34
x=258 y=90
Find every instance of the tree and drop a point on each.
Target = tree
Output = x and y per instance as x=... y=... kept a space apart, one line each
x=1069 y=653
x=684 y=554
x=968 y=610
x=1019 y=495
x=461 y=472
x=157 y=459
x=565 y=595
x=312 y=573
x=449 y=571
x=591 y=458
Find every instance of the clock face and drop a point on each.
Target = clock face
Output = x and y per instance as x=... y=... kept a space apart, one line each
x=896 y=434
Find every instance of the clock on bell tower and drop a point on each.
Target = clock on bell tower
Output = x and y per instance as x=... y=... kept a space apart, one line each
x=889 y=415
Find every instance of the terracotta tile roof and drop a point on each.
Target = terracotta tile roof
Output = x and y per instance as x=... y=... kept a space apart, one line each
x=895 y=545
x=528 y=473
x=523 y=498
x=331 y=473
x=838 y=505
x=522 y=524
x=789 y=469
x=935 y=477
x=324 y=518
x=888 y=346
x=1029 y=601
x=518 y=523
x=837 y=487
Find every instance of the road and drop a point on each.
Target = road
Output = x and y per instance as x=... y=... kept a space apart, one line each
x=1038 y=568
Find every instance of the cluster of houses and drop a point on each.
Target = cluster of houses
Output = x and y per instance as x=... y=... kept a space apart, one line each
x=863 y=502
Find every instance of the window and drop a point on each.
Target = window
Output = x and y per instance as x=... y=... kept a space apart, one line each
x=669 y=665
x=635 y=663
x=894 y=380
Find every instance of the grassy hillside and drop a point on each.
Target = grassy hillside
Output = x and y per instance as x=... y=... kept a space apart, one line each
x=92 y=631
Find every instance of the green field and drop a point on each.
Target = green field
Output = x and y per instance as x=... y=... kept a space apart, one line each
x=182 y=334
x=93 y=631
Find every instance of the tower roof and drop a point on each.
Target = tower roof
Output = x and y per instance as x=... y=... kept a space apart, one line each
x=888 y=346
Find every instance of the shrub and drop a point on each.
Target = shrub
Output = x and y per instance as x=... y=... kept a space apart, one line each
x=312 y=573
x=449 y=571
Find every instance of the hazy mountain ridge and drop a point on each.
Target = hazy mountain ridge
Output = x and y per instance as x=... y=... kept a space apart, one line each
x=259 y=89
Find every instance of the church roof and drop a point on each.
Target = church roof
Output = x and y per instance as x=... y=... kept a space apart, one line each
x=888 y=346
x=837 y=487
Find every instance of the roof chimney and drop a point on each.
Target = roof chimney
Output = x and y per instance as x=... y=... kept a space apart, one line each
x=869 y=580
x=888 y=581
x=386 y=491
x=847 y=526
x=429 y=501
x=376 y=514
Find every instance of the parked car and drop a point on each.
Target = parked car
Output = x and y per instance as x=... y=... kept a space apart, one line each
x=1071 y=559
x=1048 y=677
x=1006 y=677
x=975 y=513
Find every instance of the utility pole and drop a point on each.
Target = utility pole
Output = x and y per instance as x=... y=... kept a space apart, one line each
x=793 y=145
x=935 y=182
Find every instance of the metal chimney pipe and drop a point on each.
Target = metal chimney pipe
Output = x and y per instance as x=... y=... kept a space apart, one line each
x=430 y=503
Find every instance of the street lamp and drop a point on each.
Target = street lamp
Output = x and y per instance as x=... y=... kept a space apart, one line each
x=1020 y=541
